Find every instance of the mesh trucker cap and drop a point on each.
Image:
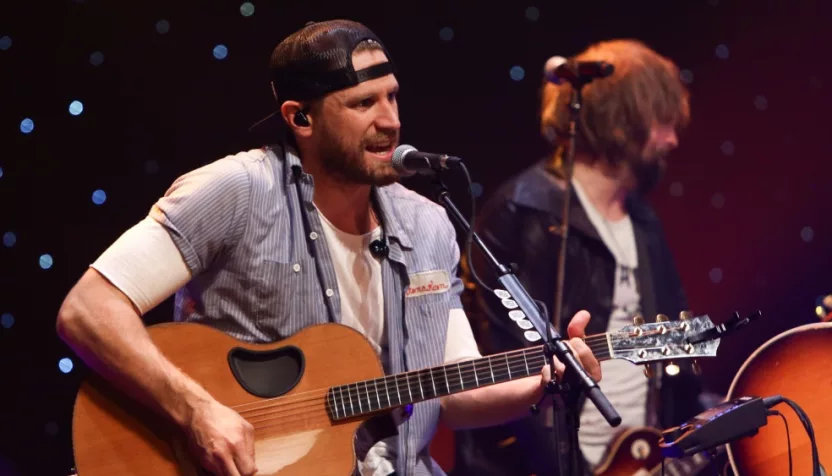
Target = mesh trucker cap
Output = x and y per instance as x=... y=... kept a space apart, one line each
x=317 y=60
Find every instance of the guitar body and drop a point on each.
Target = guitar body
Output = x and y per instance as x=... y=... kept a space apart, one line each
x=294 y=435
x=634 y=451
x=796 y=364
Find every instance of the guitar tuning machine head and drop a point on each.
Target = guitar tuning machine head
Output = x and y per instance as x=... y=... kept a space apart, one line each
x=684 y=316
x=662 y=318
x=638 y=320
x=648 y=371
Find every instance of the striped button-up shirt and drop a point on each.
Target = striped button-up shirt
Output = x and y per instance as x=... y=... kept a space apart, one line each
x=252 y=238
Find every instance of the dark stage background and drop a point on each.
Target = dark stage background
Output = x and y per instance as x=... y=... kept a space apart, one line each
x=746 y=204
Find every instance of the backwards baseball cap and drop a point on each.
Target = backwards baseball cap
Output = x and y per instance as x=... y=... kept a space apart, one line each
x=317 y=60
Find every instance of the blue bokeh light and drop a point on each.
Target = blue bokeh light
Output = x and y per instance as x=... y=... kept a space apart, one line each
x=45 y=261
x=532 y=13
x=162 y=27
x=5 y=43
x=247 y=9
x=9 y=239
x=722 y=52
x=96 y=58
x=220 y=52
x=807 y=234
x=517 y=73
x=65 y=365
x=76 y=108
x=7 y=320
x=99 y=197
x=761 y=103
x=727 y=148
x=716 y=275
x=446 y=34
x=1 y=172
x=27 y=125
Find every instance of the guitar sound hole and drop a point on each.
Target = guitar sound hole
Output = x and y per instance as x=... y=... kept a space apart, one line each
x=267 y=374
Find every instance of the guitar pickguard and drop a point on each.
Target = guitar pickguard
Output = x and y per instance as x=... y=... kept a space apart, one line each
x=267 y=373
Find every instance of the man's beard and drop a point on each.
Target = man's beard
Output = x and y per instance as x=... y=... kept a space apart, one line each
x=347 y=162
x=648 y=172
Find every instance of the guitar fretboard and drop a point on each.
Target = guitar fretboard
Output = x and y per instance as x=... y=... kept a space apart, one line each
x=397 y=390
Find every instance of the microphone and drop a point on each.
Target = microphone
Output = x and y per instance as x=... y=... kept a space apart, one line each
x=558 y=69
x=408 y=161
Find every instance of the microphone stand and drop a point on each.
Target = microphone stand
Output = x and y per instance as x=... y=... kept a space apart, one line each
x=576 y=380
x=569 y=455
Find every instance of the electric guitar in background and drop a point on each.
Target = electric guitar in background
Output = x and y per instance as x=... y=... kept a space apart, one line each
x=307 y=395
x=636 y=452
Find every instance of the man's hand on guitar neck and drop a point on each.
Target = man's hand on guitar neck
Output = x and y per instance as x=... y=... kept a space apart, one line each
x=577 y=333
x=498 y=404
x=221 y=439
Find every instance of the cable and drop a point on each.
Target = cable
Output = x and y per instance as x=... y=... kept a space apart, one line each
x=804 y=419
x=469 y=237
x=788 y=438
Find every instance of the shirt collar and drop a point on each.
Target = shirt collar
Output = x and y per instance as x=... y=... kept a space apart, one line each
x=395 y=226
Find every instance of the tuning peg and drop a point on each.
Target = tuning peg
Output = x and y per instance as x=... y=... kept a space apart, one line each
x=685 y=315
x=662 y=318
x=648 y=371
x=697 y=370
x=638 y=320
x=672 y=369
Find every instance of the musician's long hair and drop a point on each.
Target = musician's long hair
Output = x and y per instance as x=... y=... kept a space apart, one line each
x=617 y=111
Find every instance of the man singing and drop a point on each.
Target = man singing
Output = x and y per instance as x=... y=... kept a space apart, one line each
x=315 y=229
x=618 y=264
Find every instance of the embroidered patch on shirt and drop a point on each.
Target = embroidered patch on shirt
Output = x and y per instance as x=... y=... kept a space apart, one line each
x=428 y=282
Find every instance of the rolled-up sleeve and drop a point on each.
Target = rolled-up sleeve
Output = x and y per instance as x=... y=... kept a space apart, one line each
x=206 y=211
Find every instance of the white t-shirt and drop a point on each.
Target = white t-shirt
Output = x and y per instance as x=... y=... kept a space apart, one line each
x=624 y=384
x=145 y=264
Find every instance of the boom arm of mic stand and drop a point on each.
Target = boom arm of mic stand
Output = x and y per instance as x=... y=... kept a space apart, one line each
x=530 y=309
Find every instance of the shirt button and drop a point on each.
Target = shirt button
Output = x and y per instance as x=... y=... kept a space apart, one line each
x=296 y=267
x=329 y=293
x=313 y=236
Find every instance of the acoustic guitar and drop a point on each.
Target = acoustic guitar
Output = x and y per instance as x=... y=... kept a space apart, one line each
x=796 y=364
x=636 y=452
x=307 y=395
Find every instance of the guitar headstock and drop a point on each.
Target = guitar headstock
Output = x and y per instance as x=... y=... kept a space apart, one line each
x=664 y=340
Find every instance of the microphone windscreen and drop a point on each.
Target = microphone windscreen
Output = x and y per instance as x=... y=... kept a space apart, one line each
x=398 y=158
x=552 y=64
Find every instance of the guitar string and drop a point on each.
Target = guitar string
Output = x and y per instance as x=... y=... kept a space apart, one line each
x=595 y=345
x=363 y=395
x=367 y=394
x=424 y=378
x=292 y=415
x=277 y=417
x=515 y=367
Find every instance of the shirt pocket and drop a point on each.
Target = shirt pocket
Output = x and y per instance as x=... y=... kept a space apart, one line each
x=286 y=294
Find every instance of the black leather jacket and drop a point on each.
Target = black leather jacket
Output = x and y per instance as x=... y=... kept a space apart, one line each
x=520 y=225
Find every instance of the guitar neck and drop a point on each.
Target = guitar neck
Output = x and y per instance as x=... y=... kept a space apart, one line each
x=370 y=396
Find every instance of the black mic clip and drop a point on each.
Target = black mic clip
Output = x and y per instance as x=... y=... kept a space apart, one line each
x=559 y=70
x=379 y=249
